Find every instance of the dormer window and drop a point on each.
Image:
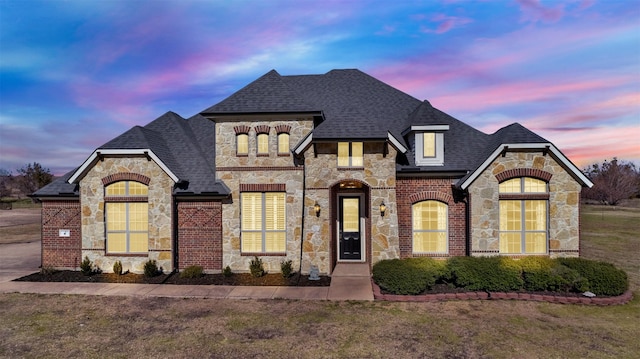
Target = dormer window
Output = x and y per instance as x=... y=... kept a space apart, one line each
x=429 y=144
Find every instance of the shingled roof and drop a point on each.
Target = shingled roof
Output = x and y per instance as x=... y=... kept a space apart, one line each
x=179 y=145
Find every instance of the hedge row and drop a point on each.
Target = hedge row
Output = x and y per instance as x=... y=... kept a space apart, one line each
x=500 y=274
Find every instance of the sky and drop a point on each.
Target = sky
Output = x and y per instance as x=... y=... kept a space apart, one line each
x=75 y=74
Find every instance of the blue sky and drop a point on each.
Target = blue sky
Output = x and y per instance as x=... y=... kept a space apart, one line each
x=75 y=74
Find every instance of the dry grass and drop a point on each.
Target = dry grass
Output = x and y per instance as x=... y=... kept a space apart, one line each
x=80 y=326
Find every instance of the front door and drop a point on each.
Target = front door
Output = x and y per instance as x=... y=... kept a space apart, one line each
x=350 y=228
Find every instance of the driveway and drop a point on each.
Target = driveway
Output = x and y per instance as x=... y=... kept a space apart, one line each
x=23 y=257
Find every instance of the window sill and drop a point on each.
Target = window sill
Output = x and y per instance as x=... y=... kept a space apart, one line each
x=262 y=155
x=126 y=254
x=350 y=168
x=263 y=254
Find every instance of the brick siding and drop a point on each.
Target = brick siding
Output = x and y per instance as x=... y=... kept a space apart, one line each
x=61 y=252
x=412 y=190
x=200 y=235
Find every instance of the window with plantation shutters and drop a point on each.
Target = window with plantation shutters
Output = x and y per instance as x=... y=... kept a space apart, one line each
x=429 y=227
x=523 y=216
x=263 y=222
x=127 y=217
x=350 y=154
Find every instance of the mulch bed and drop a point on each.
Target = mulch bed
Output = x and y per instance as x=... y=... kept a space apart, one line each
x=238 y=279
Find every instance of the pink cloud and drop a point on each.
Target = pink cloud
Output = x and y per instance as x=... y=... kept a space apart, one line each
x=534 y=11
x=446 y=23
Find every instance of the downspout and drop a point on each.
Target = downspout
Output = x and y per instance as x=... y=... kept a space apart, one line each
x=174 y=215
x=467 y=219
x=304 y=188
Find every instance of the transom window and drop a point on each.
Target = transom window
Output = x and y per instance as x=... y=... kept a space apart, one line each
x=523 y=216
x=430 y=227
x=127 y=217
x=263 y=222
x=350 y=154
x=242 y=144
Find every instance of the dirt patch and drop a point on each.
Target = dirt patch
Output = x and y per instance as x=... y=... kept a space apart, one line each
x=237 y=279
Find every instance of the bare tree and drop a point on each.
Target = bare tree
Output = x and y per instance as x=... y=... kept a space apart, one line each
x=32 y=177
x=612 y=181
x=5 y=181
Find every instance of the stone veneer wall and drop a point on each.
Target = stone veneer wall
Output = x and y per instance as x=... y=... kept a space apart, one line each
x=61 y=252
x=411 y=190
x=379 y=174
x=200 y=235
x=273 y=168
x=160 y=217
x=564 y=205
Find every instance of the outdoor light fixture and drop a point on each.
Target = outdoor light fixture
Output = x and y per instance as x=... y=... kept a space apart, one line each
x=316 y=208
x=383 y=208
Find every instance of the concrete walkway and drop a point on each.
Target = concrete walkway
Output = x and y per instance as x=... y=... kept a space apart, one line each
x=348 y=282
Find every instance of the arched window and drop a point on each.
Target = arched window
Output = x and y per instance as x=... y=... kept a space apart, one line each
x=127 y=217
x=283 y=143
x=263 y=143
x=242 y=144
x=430 y=227
x=523 y=216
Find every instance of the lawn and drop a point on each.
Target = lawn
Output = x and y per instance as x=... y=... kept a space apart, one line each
x=81 y=326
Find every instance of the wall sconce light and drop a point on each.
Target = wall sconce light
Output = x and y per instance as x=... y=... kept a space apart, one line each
x=316 y=208
x=383 y=208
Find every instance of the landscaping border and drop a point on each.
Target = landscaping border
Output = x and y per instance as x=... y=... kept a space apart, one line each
x=560 y=299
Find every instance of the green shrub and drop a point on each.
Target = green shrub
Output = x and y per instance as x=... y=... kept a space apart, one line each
x=568 y=280
x=117 y=268
x=87 y=267
x=537 y=273
x=47 y=270
x=192 y=272
x=286 y=267
x=151 y=268
x=227 y=272
x=603 y=278
x=256 y=267
x=494 y=274
x=407 y=276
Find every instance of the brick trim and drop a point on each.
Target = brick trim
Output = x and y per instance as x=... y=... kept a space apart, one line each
x=125 y=176
x=430 y=195
x=524 y=172
x=126 y=199
x=263 y=168
x=283 y=129
x=526 y=196
x=262 y=129
x=269 y=187
x=242 y=130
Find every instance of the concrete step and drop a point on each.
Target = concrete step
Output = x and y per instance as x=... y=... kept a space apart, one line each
x=351 y=281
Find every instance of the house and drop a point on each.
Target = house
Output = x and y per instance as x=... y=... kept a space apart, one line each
x=316 y=169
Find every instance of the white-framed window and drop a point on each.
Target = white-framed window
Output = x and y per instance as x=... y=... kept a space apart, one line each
x=430 y=229
x=523 y=216
x=283 y=143
x=350 y=154
x=242 y=144
x=263 y=222
x=127 y=217
x=429 y=148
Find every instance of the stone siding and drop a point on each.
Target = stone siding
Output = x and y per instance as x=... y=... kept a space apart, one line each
x=411 y=190
x=200 y=235
x=160 y=214
x=253 y=169
x=563 y=209
x=379 y=177
x=61 y=252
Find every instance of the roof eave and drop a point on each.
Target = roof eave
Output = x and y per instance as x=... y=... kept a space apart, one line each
x=95 y=156
x=548 y=147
